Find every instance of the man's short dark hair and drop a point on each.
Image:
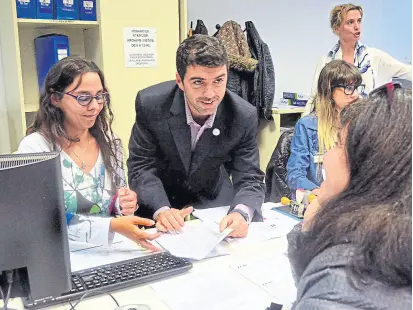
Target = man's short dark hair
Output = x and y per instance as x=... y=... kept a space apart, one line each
x=201 y=50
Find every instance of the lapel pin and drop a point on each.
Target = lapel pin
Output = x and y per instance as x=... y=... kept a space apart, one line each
x=216 y=132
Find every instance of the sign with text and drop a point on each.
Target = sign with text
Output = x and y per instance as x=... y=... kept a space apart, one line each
x=140 y=47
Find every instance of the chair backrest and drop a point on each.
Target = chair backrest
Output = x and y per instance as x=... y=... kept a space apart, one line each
x=276 y=173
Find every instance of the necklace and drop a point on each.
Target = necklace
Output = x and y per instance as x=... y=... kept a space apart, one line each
x=83 y=166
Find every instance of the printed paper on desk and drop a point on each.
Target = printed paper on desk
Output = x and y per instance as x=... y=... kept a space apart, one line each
x=272 y=216
x=219 y=288
x=121 y=249
x=273 y=274
x=261 y=231
x=214 y=215
x=194 y=241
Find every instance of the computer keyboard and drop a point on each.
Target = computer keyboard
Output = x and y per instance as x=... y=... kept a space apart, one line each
x=115 y=276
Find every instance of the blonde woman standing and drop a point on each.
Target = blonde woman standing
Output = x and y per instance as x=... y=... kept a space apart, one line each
x=376 y=67
x=339 y=85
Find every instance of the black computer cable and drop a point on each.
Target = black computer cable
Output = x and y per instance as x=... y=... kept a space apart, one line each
x=9 y=276
x=87 y=294
x=2 y=294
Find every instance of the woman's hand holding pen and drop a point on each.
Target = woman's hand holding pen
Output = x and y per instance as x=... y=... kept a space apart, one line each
x=128 y=201
x=128 y=226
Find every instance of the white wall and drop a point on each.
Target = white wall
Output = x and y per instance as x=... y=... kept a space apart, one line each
x=298 y=31
x=4 y=125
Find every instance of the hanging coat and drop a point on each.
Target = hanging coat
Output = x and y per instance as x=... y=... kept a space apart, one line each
x=241 y=64
x=264 y=78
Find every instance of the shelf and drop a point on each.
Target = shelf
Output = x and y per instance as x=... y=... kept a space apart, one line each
x=56 y=23
x=100 y=41
x=287 y=110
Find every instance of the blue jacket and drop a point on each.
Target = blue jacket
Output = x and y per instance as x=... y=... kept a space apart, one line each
x=302 y=171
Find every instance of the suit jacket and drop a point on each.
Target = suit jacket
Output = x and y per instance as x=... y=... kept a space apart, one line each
x=164 y=171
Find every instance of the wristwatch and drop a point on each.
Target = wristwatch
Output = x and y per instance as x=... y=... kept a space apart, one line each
x=244 y=214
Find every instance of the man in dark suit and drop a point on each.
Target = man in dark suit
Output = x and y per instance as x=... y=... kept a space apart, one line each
x=189 y=137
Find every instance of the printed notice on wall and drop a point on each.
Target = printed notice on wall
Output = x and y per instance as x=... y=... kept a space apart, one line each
x=140 y=47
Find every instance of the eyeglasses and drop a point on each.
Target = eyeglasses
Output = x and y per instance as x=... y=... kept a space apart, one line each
x=349 y=89
x=84 y=100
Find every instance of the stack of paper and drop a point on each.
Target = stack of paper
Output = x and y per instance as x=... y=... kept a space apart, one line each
x=194 y=241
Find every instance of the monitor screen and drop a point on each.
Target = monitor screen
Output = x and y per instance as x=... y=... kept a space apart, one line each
x=33 y=235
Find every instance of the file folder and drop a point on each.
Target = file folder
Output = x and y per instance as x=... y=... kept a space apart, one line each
x=26 y=8
x=44 y=9
x=66 y=9
x=49 y=49
x=87 y=10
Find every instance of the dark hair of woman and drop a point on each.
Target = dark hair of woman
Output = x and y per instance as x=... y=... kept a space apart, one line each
x=49 y=118
x=374 y=212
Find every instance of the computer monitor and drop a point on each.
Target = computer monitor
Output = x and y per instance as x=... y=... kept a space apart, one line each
x=33 y=234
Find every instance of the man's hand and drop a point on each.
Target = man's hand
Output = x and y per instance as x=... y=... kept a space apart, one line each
x=128 y=200
x=235 y=221
x=127 y=226
x=172 y=219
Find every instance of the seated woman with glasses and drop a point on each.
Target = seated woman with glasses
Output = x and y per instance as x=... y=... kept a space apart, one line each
x=75 y=119
x=339 y=85
x=354 y=250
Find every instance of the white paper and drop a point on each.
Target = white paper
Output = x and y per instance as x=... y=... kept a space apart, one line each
x=275 y=224
x=273 y=274
x=261 y=231
x=218 y=289
x=269 y=213
x=214 y=215
x=194 y=241
x=140 y=47
x=84 y=255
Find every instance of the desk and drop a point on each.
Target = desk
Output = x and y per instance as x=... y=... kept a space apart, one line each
x=269 y=133
x=146 y=295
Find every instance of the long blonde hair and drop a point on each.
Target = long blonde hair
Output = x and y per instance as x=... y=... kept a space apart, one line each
x=336 y=72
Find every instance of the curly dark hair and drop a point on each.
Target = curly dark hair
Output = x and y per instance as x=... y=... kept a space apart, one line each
x=374 y=212
x=201 y=50
x=49 y=118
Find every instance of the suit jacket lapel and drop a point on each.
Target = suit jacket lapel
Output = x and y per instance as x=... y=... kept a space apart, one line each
x=210 y=140
x=179 y=128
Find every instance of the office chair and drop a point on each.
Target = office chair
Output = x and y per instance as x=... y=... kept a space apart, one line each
x=276 y=172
